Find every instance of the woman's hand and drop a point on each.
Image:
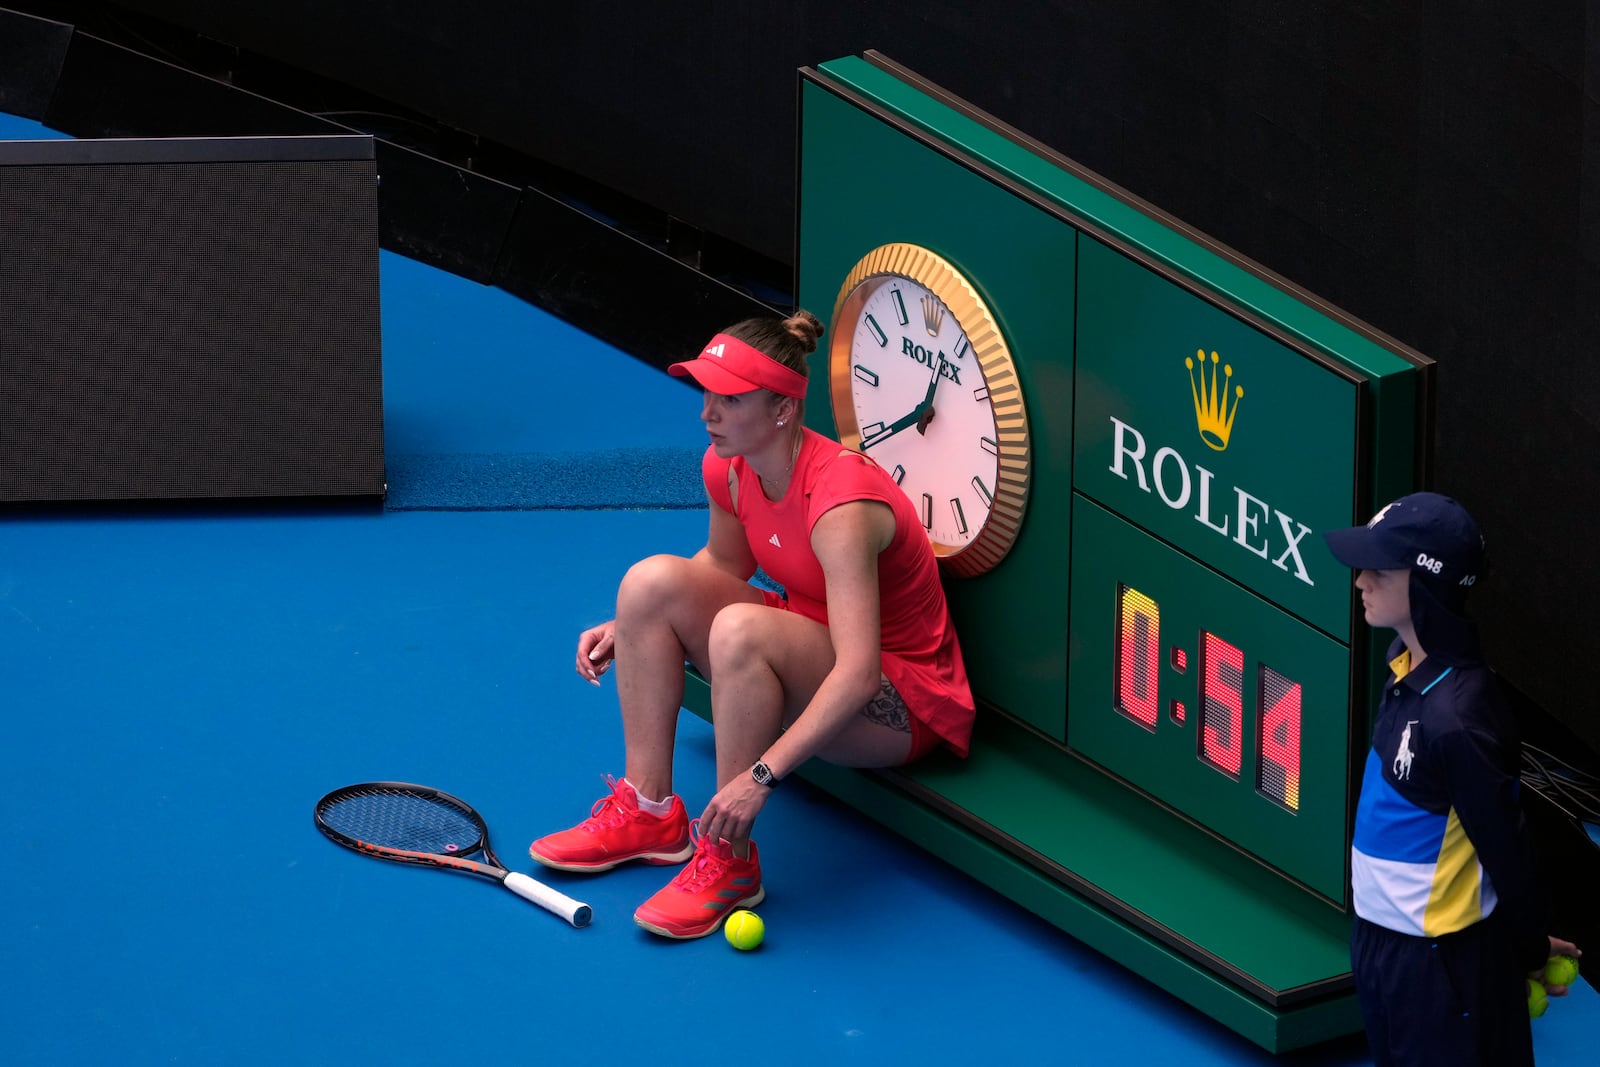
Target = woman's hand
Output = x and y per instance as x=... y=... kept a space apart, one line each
x=596 y=651
x=731 y=814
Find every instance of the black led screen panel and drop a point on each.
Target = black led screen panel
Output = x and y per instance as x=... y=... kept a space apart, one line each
x=189 y=318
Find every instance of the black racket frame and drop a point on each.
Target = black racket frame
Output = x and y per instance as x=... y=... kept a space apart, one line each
x=491 y=868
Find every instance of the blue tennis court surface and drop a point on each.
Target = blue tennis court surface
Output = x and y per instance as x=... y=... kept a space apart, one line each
x=180 y=689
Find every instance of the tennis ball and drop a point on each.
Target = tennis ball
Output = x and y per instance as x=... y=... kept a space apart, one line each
x=744 y=930
x=1538 y=999
x=1561 y=970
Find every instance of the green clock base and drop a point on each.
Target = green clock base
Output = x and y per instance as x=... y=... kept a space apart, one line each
x=1121 y=874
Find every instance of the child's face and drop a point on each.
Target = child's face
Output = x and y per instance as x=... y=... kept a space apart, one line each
x=1386 y=596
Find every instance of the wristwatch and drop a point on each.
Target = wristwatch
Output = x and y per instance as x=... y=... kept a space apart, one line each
x=763 y=775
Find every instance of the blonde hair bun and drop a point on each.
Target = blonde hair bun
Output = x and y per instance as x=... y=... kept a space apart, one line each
x=805 y=326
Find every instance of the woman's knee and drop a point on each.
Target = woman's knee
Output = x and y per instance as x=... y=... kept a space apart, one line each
x=754 y=636
x=740 y=636
x=651 y=584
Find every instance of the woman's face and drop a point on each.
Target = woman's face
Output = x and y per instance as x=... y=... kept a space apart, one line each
x=739 y=424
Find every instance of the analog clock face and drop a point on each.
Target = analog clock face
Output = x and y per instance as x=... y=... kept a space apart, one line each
x=936 y=405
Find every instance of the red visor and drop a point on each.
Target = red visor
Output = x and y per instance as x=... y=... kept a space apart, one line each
x=729 y=366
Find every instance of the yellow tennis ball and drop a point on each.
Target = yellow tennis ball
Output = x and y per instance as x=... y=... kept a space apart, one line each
x=1538 y=999
x=744 y=930
x=1561 y=970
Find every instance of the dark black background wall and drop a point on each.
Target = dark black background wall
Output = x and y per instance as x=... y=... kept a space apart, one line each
x=1432 y=168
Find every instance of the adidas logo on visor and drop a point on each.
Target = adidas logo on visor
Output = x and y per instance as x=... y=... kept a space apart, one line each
x=714 y=350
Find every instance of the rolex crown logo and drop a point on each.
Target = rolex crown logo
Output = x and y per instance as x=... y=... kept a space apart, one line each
x=1212 y=412
x=932 y=314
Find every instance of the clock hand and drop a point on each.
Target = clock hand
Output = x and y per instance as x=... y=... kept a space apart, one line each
x=893 y=428
x=919 y=417
x=925 y=413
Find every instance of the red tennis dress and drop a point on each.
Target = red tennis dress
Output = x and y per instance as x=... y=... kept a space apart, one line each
x=920 y=653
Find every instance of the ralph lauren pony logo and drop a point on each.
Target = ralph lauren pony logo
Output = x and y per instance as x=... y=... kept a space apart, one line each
x=1212 y=413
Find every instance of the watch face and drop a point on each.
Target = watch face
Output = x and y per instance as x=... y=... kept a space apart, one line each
x=913 y=390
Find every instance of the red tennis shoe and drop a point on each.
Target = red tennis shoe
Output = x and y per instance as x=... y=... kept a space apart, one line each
x=714 y=884
x=617 y=831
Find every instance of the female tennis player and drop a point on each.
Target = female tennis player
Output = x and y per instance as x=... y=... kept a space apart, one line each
x=856 y=662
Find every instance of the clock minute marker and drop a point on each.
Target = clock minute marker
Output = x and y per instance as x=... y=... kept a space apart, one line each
x=899 y=306
x=960 y=515
x=876 y=330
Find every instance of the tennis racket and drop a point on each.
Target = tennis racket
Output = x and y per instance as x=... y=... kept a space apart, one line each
x=415 y=824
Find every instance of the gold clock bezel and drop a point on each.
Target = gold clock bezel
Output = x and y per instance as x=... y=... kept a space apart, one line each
x=936 y=274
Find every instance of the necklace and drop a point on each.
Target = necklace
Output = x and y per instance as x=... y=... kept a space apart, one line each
x=783 y=479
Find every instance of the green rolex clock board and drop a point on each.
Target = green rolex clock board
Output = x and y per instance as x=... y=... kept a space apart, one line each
x=1122 y=443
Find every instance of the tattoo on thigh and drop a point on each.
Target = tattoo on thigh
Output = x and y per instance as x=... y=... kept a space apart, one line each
x=888 y=709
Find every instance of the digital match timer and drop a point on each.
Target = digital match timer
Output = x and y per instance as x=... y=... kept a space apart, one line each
x=1209 y=699
x=1221 y=680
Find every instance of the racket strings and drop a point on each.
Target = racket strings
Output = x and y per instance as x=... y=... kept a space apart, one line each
x=398 y=820
x=1576 y=792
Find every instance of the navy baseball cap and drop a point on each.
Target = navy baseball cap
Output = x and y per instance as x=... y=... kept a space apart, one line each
x=1431 y=536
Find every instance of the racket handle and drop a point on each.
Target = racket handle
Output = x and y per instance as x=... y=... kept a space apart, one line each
x=575 y=912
